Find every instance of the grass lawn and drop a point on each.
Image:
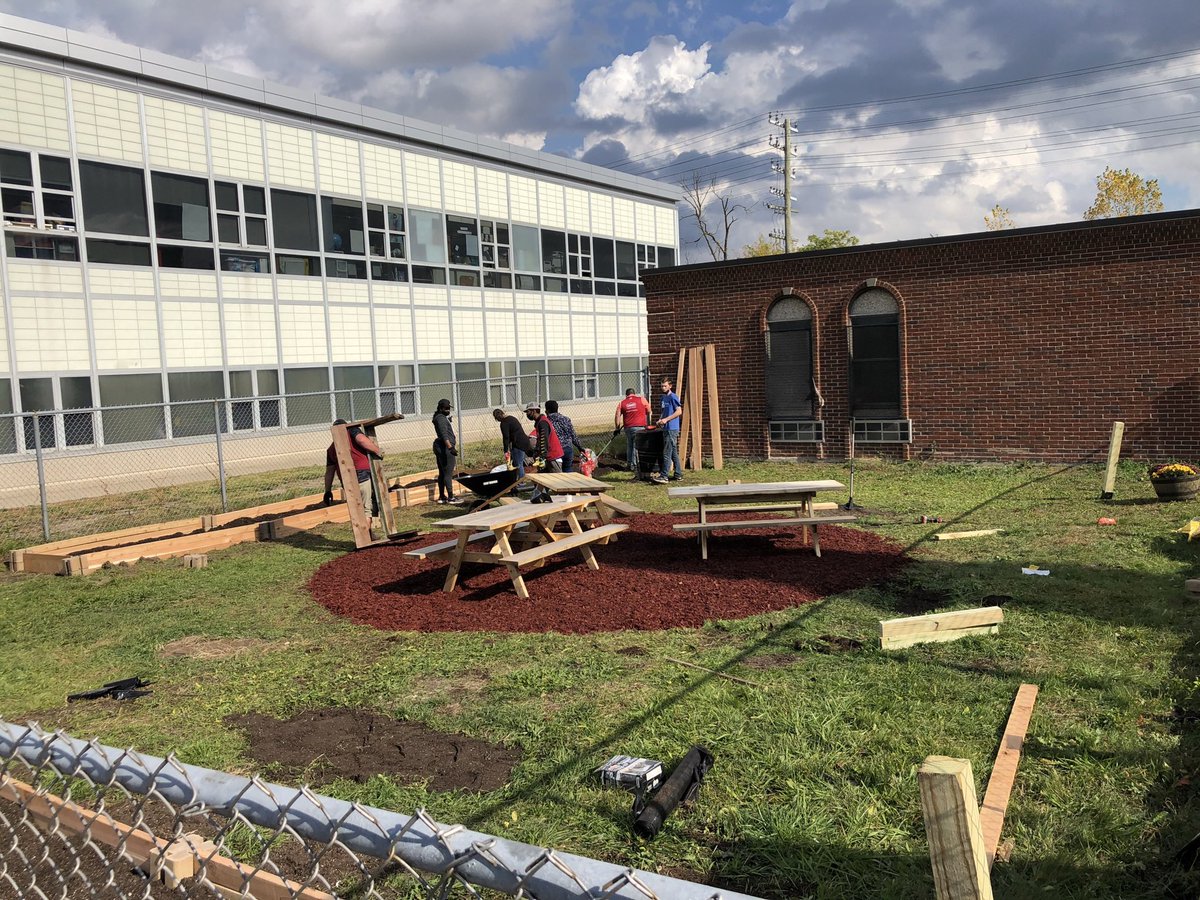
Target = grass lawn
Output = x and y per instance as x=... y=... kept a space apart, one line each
x=814 y=790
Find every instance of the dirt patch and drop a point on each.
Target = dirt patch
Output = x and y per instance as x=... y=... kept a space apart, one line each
x=771 y=661
x=914 y=599
x=199 y=647
x=828 y=643
x=651 y=578
x=632 y=651
x=325 y=744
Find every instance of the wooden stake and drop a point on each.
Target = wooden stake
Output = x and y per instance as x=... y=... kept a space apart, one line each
x=955 y=535
x=1114 y=454
x=956 y=846
x=685 y=421
x=714 y=406
x=696 y=403
x=360 y=523
x=680 y=662
x=1004 y=772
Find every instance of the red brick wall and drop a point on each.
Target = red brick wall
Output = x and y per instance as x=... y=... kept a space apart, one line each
x=1025 y=344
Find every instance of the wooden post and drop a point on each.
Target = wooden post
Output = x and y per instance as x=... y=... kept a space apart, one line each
x=360 y=523
x=696 y=403
x=685 y=424
x=714 y=406
x=1114 y=454
x=956 y=847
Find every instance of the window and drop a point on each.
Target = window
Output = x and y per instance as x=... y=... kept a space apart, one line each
x=386 y=231
x=554 y=252
x=346 y=268
x=626 y=261
x=126 y=421
x=647 y=257
x=666 y=257
x=41 y=246
x=875 y=356
x=236 y=261
x=181 y=208
x=427 y=237
x=526 y=248
x=16 y=188
x=472 y=384
x=268 y=386
x=307 y=396
x=342 y=221
x=498 y=280
x=586 y=384
x=397 y=393
x=171 y=256
x=290 y=264
x=37 y=395
x=435 y=381
x=8 y=429
x=79 y=429
x=241 y=215
x=241 y=385
x=192 y=409
x=295 y=218
x=114 y=199
x=579 y=255
x=122 y=253
x=494 y=245
x=789 y=369
x=355 y=387
x=532 y=381
x=462 y=236
x=383 y=271
x=606 y=266
x=428 y=275
x=18 y=191
x=503 y=383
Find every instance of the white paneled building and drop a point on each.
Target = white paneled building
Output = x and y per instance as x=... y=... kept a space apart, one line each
x=174 y=233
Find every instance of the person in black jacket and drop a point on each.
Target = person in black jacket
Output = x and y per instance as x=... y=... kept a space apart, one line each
x=445 y=451
x=516 y=442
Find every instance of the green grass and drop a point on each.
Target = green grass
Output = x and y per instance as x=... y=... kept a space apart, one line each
x=814 y=791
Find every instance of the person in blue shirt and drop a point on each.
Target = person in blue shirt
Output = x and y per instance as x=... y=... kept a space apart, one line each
x=672 y=415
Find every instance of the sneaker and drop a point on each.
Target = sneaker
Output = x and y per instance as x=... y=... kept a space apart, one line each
x=441 y=501
x=677 y=478
x=658 y=479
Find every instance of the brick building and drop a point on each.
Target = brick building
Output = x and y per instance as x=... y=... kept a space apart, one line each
x=1022 y=344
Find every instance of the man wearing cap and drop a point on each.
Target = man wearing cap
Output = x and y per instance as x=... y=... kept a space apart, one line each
x=445 y=451
x=632 y=414
x=360 y=447
x=516 y=442
x=546 y=446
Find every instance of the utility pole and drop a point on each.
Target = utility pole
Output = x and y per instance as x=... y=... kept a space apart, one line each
x=786 y=170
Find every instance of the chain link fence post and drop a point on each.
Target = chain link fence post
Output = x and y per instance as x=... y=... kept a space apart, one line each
x=41 y=473
x=220 y=455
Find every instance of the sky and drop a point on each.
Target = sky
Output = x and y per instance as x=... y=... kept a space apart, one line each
x=911 y=118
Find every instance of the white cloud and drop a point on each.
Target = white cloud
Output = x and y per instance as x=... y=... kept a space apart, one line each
x=665 y=71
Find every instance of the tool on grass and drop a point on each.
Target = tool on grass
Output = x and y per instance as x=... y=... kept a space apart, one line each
x=633 y=772
x=122 y=689
x=680 y=787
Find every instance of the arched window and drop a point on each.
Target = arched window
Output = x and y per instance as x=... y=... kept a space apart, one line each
x=789 y=360
x=875 y=355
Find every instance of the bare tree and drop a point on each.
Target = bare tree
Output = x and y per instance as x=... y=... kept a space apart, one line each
x=714 y=212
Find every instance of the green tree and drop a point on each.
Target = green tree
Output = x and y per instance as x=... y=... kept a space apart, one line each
x=999 y=219
x=762 y=246
x=1124 y=193
x=829 y=240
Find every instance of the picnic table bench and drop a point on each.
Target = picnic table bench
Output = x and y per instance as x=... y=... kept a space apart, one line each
x=794 y=497
x=528 y=525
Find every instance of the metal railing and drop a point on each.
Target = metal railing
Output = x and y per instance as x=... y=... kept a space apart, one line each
x=60 y=468
x=80 y=819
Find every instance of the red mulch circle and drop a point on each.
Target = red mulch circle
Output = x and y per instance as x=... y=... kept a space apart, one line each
x=650 y=578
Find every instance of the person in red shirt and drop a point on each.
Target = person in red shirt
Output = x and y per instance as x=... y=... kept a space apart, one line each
x=360 y=446
x=547 y=446
x=632 y=414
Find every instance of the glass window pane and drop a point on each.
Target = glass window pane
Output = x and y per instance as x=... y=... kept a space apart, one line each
x=428 y=275
x=56 y=173
x=295 y=217
x=36 y=246
x=529 y=283
x=527 y=248
x=396 y=247
x=18 y=204
x=76 y=391
x=256 y=200
x=463 y=237
x=200 y=416
x=227 y=229
x=464 y=278
x=382 y=271
x=666 y=257
x=396 y=218
x=227 y=196
x=377 y=243
x=256 y=232
x=427 y=237
x=626 y=261
x=114 y=199
x=557 y=285
x=180 y=207
x=59 y=207
x=435 y=384
x=241 y=383
x=497 y=280
x=232 y=261
x=286 y=264
x=16 y=167
x=343 y=224
x=123 y=426
x=268 y=382
x=375 y=215
x=603 y=259
x=346 y=268
x=125 y=253
x=554 y=252
x=312 y=407
x=173 y=257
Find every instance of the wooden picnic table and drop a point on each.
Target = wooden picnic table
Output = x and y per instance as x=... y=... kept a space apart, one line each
x=794 y=498
x=558 y=483
x=529 y=525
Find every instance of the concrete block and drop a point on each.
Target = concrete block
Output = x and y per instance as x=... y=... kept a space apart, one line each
x=195 y=561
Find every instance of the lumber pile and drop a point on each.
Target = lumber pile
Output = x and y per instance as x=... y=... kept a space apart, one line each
x=696 y=373
x=948 y=626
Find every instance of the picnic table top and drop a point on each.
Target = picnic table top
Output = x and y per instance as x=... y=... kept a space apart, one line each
x=514 y=514
x=569 y=482
x=751 y=490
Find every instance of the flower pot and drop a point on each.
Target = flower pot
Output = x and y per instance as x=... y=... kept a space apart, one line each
x=1178 y=489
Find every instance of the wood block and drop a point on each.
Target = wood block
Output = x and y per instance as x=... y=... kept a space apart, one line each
x=195 y=560
x=206 y=523
x=955 y=535
x=16 y=561
x=956 y=848
x=1004 y=772
x=897 y=633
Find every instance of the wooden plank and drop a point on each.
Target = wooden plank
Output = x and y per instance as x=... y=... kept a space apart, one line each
x=200 y=542
x=762 y=523
x=231 y=878
x=1114 y=454
x=415 y=478
x=695 y=411
x=955 y=535
x=945 y=621
x=619 y=506
x=937 y=637
x=43 y=563
x=685 y=421
x=561 y=545
x=445 y=546
x=714 y=406
x=1004 y=772
x=956 y=848
x=279 y=508
x=734 y=492
x=124 y=535
x=360 y=523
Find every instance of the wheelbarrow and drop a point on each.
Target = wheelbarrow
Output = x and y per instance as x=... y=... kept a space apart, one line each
x=489 y=486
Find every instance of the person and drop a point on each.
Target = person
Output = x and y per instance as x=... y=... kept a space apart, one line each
x=445 y=451
x=565 y=429
x=516 y=443
x=633 y=414
x=362 y=448
x=546 y=446
x=669 y=421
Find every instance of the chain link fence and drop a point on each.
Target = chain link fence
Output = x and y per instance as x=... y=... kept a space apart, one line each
x=71 y=472
x=80 y=819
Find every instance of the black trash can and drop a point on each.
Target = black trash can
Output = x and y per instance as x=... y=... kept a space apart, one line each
x=649 y=445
